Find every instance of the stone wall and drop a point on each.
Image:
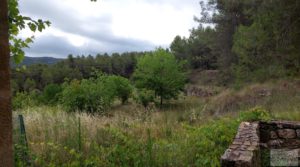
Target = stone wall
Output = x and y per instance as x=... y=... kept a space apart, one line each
x=280 y=134
x=252 y=138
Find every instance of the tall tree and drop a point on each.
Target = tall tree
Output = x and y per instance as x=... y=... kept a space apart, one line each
x=6 y=155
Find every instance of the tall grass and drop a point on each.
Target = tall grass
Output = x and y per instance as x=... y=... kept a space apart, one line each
x=181 y=134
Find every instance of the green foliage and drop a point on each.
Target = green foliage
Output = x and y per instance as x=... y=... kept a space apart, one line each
x=210 y=146
x=138 y=146
x=51 y=94
x=75 y=68
x=86 y=95
x=120 y=87
x=17 y=22
x=255 y=114
x=161 y=73
x=197 y=49
x=29 y=85
x=95 y=94
x=253 y=40
x=24 y=100
x=144 y=96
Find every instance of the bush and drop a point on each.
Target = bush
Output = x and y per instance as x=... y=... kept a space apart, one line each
x=120 y=87
x=51 y=94
x=210 y=141
x=144 y=96
x=22 y=100
x=255 y=114
x=86 y=95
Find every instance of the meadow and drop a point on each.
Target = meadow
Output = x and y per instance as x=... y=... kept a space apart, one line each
x=190 y=131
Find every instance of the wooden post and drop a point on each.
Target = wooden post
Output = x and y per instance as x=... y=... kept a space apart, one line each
x=23 y=132
x=6 y=146
x=79 y=142
x=23 y=142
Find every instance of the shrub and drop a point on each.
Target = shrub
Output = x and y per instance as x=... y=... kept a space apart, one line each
x=144 y=96
x=211 y=140
x=120 y=87
x=86 y=95
x=24 y=99
x=255 y=114
x=51 y=94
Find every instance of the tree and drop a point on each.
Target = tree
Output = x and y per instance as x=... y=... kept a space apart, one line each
x=11 y=22
x=179 y=48
x=17 y=22
x=6 y=155
x=120 y=86
x=160 y=72
x=269 y=46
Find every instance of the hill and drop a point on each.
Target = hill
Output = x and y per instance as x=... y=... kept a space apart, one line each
x=37 y=60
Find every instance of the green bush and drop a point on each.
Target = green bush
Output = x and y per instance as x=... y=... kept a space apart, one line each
x=23 y=99
x=120 y=87
x=86 y=95
x=51 y=94
x=144 y=96
x=255 y=114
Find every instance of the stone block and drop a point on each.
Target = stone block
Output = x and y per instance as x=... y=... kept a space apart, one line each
x=286 y=133
x=298 y=133
x=275 y=143
x=273 y=135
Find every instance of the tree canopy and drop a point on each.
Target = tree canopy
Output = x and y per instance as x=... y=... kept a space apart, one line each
x=160 y=72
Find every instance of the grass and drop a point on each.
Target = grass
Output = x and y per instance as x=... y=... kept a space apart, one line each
x=188 y=132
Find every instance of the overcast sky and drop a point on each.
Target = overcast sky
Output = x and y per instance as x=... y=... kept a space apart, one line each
x=84 y=27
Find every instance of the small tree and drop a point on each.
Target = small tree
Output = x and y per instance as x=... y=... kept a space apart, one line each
x=120 y=86
x=160 y=72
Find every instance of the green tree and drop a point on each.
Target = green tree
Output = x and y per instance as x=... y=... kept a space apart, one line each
x=179 y=48
x=120 y=86
x=269 y=46
x=160 y=72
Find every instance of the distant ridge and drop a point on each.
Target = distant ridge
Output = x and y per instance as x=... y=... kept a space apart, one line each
x=37 y=60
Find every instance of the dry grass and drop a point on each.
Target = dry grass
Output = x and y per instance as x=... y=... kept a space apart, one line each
x=277 y=96
x=52 y=124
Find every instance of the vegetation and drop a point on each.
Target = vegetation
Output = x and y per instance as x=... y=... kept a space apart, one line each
x=132 y=137
x=241 y=64
x=161 y=73
x=248 y=41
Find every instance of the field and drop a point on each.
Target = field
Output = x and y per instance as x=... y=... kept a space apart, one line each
x=190 y=131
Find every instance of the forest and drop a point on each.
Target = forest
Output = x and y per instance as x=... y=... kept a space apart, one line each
x=176 y=106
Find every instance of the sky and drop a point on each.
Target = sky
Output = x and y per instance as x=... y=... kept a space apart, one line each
x=84 y=27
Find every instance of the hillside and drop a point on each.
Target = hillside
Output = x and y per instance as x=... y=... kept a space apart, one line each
x=37 y=60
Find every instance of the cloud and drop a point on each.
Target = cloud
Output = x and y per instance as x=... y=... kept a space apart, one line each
x=84 y=27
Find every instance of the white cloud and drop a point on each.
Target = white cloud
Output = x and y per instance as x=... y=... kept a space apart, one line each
x=111 y=25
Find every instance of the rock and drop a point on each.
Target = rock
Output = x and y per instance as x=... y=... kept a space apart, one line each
x=298 y=133
x=275 y=143
x=273 y=135
x=286 y=133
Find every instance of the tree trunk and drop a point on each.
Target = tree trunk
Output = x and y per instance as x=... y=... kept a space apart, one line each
x=6 y=149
